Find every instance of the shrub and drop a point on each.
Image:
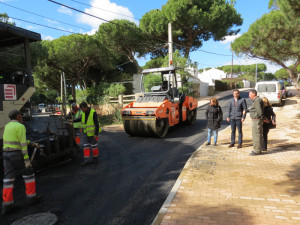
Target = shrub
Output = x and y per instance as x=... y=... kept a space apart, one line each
x=114 y=118
x=115 y=89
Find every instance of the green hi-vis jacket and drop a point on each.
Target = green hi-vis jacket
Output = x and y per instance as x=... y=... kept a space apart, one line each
x=14 y=138
x=89 y=126
x=77 y=116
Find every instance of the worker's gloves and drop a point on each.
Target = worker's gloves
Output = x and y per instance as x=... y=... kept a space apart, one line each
x=27 y=164
x=34 y=145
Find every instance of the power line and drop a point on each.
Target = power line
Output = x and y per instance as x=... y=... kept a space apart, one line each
x=104 y=9
x=108 y=21
x=43 y=16
x=200 y=50
x=209 y=65
x=105 y=20
x=54 y=28
x=213 y=53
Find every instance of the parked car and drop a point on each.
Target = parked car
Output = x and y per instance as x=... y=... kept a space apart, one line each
x=271 y=90
x=283 y=90
x=26 y=113
x=42 y=107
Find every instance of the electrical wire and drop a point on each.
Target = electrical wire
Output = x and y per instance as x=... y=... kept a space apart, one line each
x=91 y=16
x=54 y=28
x=108 y=21
x=208 y=64
x=213 y=53
x=104 y=9
x=200 y=50
x=42 y=16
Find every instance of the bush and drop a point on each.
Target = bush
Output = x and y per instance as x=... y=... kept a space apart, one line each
x=222 y=85
x=191 y=89
x=129 y=88
x=99 y=95
x=225 y=85
x=239 y=85
x=115 y=89
x=114 y=118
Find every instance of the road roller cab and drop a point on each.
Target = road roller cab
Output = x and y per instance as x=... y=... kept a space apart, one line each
x=159 y=106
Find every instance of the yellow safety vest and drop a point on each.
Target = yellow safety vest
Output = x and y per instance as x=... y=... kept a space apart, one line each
x=77 y=115
x=89 y=126
x=14 y=138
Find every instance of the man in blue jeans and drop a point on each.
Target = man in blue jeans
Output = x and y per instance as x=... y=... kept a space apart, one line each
x=236 y=116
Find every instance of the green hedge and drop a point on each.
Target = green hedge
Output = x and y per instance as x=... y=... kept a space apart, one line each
x=225 y=85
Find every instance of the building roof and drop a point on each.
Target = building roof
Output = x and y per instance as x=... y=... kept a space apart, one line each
x=162 y=69
x=11 y=35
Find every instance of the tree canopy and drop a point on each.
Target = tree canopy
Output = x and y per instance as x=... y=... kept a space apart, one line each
x=122 y=36
x=193 y=22
x=282 y=74
x=240 y=69
x=5 y=19
x=85 y=61
x=275 y=37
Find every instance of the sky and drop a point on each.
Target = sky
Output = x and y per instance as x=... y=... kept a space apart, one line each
x=132 y=10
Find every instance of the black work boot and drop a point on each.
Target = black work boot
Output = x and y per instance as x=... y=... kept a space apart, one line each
x=6 y=209
x=34 y=200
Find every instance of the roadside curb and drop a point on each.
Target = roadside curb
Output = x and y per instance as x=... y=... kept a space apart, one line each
x=165 y=206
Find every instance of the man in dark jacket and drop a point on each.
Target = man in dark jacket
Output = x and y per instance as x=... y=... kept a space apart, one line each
x=236 y=116
x=256 y=114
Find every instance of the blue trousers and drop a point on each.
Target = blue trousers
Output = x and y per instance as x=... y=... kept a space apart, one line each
x=236 y=124
x=210 y=132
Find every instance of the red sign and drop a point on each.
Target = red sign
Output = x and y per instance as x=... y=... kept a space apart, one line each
x=10 y=92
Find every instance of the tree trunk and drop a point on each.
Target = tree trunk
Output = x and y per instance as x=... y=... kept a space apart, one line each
x=187 y=52
x=73 y=91
x=293 y=76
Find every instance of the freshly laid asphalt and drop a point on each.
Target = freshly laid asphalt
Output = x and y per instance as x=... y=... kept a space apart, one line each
x=128 y=185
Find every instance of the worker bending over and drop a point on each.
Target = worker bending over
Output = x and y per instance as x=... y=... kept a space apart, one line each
x=16 y=161
x=91 y=129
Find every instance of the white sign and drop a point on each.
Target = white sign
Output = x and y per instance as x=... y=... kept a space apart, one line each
x=10 y=92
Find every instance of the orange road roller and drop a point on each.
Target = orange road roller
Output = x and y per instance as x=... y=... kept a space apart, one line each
x=159 y=106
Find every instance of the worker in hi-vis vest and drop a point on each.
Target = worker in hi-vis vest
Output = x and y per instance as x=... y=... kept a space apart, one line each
x=16 y=161
x=76 y=114
x=91 y=129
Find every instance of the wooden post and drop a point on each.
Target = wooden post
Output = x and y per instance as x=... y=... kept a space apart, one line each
x=121 y=100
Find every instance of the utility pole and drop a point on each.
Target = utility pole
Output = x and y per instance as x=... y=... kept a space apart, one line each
x=61 y=88
x=65 y=98
x=62 y=93
x=231 y=70
x=256 y=74
x=170 y=44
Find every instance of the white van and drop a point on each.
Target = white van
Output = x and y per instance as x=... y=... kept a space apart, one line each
x=271 y=90
x=42 y=107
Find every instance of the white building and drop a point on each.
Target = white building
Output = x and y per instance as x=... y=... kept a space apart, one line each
x=209 y=76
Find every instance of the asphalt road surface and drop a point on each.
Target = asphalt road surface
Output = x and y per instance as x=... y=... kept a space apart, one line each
x=128 y=185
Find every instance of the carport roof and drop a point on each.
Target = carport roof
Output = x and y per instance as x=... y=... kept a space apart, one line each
x=12 y=35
